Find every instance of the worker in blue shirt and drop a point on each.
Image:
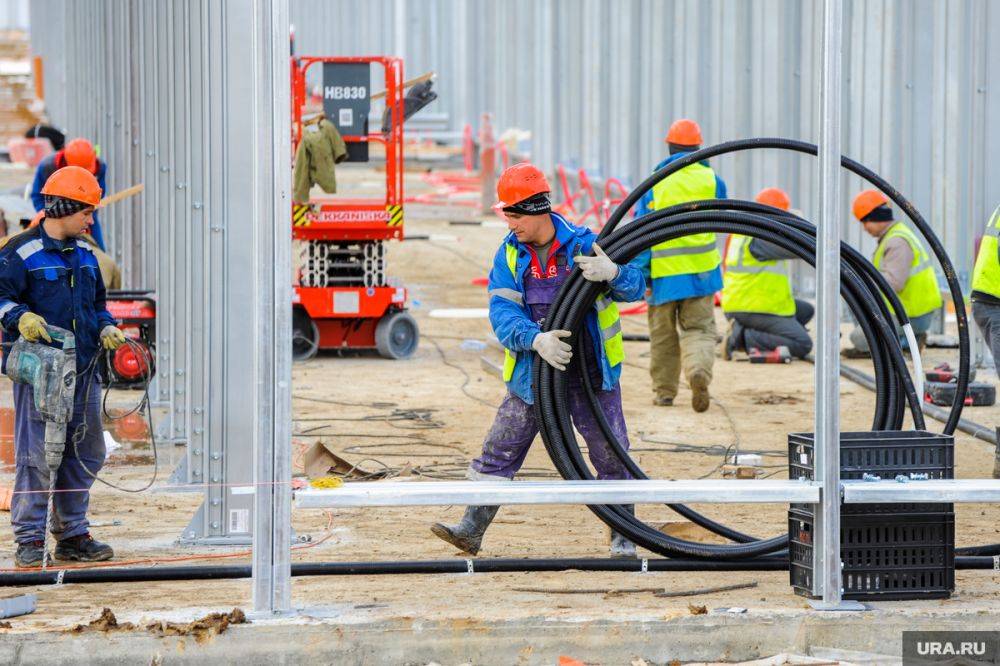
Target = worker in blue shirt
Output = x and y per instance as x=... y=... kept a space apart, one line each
x=78 y=152
x=684 y=276
x=50 y=277
x=529 y=268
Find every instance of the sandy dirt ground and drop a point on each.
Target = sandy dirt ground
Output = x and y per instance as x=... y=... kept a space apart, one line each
x=426 y=417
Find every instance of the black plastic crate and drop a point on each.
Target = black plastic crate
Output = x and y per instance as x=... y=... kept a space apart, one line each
x=889 y=551
x=887 y=454
x=885 y=557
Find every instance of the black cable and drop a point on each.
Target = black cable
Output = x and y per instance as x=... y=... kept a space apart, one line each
x=576 y=299
x=862 y=288
x=81 y=430
x=399 y=567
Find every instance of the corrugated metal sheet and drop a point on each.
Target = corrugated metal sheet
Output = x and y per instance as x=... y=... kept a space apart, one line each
x=181 y=96
x=599 y=81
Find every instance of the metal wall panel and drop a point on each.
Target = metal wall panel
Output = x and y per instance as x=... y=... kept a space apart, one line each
x=181 y=95
x=598 y=81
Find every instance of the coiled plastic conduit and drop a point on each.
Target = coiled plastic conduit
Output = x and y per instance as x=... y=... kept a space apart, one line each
x=862 y=288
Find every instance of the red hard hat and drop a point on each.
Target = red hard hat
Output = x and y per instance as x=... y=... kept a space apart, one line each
x=774 y=197
x=519 y=182
x=80 y=152
x=684 y=132
x=866 y=202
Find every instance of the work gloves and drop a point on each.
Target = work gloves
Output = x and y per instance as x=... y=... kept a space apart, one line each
x=552 y=349
x=32 y=327
x=112 y=338
x=598 y=268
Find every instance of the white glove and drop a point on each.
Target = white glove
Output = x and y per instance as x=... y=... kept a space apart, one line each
x=598 y=268
x=554 y=351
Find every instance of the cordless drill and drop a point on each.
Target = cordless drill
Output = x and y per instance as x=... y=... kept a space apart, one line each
x=779 y=354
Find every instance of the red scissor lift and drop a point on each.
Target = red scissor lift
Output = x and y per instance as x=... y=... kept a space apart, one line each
x=343 y=299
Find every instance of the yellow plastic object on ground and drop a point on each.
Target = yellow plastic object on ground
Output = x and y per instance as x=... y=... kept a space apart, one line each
x=327 y=482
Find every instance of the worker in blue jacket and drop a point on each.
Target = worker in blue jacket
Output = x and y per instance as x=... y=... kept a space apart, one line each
x=684 y=276
x=529 y=268
x=50 y=277
x=78 y=152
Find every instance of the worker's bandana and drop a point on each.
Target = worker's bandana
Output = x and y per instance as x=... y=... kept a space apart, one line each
x=881 y=214
x=533 y=205
x=56 y=207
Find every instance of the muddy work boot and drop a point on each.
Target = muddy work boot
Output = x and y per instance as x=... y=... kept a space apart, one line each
x=29 y=554
x=467 y=536
x=661 y=401
x=620 y=545
x=83 y=548
x=699 y=391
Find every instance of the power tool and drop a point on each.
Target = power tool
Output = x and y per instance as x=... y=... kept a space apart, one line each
x=945 y=373
x=51 y=371
x=779 y=354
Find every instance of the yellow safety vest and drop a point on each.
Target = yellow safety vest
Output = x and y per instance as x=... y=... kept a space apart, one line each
x=608 y=320
x=690 y=254
x=755 y=286
x=986 y=274
x=921 y=293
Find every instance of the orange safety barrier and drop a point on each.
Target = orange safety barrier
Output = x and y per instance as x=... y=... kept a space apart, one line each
x=6 y=436
x=599 y=209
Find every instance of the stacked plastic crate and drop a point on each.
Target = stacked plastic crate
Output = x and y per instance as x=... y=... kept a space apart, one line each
x=888 y=551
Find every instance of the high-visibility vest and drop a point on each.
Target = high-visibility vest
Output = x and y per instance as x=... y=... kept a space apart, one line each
x=690 y=254
x=608 y=320
x=755 y=286
x=921 y=293
x=986 y=274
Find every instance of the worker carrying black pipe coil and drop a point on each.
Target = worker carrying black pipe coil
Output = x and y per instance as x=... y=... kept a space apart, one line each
x=529 y=268
x=863 y=288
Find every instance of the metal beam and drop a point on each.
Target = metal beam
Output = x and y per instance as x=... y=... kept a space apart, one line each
x=933 y=490
x=826 y=554
x=440 y=493
x=272 y=305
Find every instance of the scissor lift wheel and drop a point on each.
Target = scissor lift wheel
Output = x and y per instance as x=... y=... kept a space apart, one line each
x=397 y=335
x=305 y=335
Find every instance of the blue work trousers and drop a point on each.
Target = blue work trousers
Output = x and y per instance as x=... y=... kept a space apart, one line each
x=73 y=482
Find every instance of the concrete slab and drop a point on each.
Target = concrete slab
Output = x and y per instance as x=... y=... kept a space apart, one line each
x=347 y=634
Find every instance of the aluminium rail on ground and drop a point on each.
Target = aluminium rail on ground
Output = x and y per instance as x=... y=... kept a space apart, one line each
x=441 y=493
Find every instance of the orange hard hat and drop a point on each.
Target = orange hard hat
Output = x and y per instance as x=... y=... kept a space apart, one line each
x=519 y=182
x=73 y=182
x=80 y=152
x=774 y=197
x=37 y=219
x=866 y=202
x=684 y=132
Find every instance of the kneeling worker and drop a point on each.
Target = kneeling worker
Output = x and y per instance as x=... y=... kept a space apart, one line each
x=530 y=266
x=49 y=275
x=757 y=294
x=904 y=262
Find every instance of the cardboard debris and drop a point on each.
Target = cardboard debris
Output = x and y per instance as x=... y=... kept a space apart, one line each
x=320 y=460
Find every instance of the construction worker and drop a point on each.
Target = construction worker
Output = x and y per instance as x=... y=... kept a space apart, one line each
x=684 y=276
x=48 y=276
x=903 y=261
x=530 y=266
x=78 y=152
x=757 y=294
x=986 y=287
